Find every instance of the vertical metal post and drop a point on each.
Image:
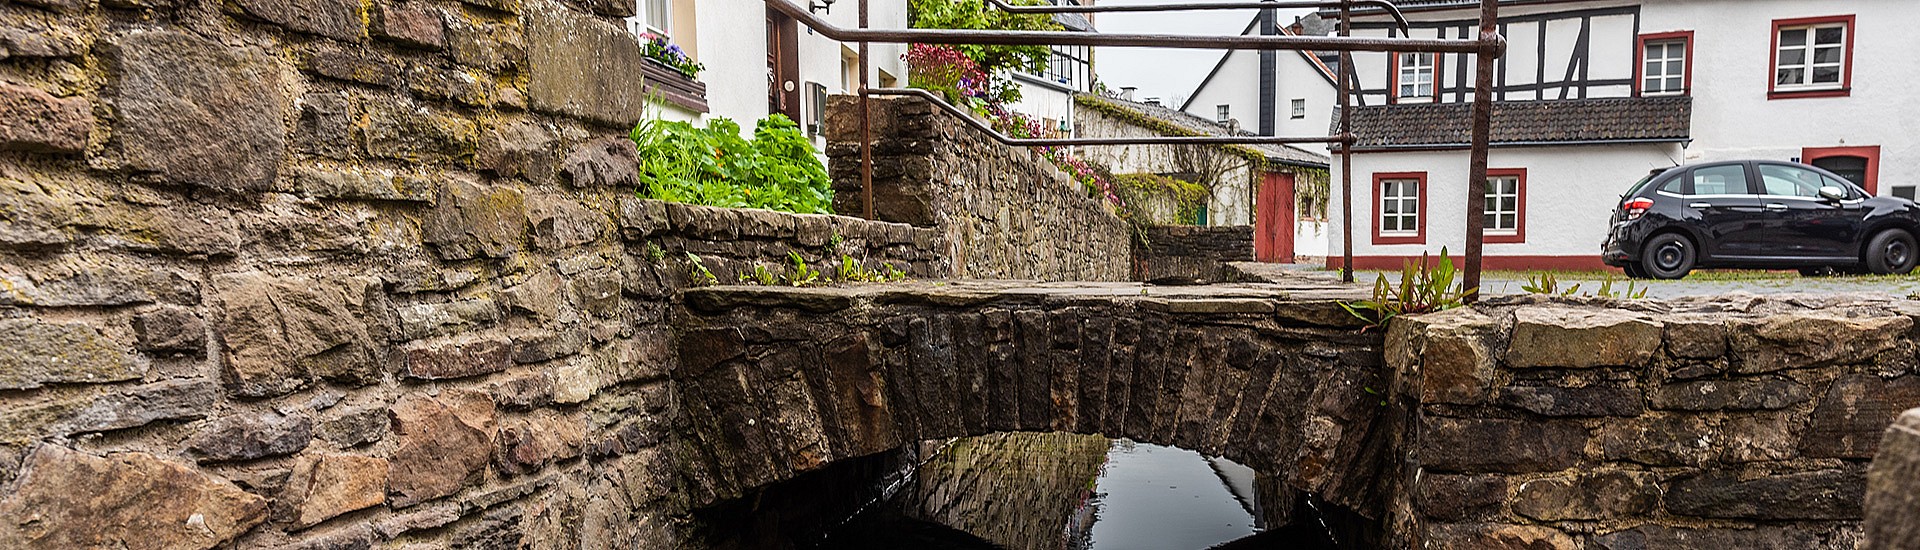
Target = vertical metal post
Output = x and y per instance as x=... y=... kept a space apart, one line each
x=866 y=125
x=1490 y=48
x=1346 y=146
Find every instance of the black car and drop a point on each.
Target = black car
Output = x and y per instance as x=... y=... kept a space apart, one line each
x=1759 y=214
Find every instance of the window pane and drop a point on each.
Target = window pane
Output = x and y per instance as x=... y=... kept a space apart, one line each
x=1675 y=67
x=1676 y=186
x=1789 y=181
x=1829 y=35
x=1509 y=204
x=1509 y=221
x=1827 y=55
x=1790 y=76
x=1656 y=51
x=1720 y=180
x=1793 y=37
x=1675 y=84
x=1793 y=57
x=1826 y=75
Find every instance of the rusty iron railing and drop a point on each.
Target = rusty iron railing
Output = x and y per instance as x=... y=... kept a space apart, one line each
x=1487 y=46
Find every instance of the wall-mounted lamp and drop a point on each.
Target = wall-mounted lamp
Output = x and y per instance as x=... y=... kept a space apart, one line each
x=817 y=6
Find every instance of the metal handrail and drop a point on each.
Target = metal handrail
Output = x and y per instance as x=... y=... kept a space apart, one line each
x=1065 y=142
x=1385 y=5
x=1178 y=41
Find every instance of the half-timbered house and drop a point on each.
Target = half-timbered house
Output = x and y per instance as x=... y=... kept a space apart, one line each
x=1591 y=96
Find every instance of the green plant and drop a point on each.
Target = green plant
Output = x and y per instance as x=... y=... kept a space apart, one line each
x=833 y=243
x=657 y=48
x=697 y=272
x=799 y=273
x=1154 y=199
x=655 y=253
x=759 y=276
x=777 y=170
x=992 y=60
x=1424 y=287
x=852 y=271
x=1546 y=283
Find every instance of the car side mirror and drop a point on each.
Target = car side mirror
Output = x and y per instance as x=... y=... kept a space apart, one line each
x=1833 y=193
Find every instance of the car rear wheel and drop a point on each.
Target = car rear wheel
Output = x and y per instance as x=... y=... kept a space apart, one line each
x=1892 y=252
x=1668 y=256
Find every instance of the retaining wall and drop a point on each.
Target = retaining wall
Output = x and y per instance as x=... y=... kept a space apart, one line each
x=1185 y=254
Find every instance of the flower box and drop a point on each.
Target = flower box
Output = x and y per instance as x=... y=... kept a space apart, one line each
x=673 y=87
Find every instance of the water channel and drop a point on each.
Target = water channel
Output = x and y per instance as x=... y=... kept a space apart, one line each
x=1018 y=491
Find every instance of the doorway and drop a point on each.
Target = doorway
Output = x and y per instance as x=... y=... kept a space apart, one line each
x=783 y=65
x=1273 y=222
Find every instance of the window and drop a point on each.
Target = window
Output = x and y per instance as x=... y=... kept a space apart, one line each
x=656 y=16
x=1068 y=66
x=1222 y=114
x=1414 y=76
x=1505 y=214
x=1664 y=60
x=1399 y=213
x=1299 y=108
x=1720 y=180
x=1812 y=57
x=1786 y=181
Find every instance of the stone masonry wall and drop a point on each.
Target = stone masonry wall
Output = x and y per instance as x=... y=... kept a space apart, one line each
x=342 y=274
x=1728 y=423
x=1893 y=488
x=1004 y=212
x=1186 y=254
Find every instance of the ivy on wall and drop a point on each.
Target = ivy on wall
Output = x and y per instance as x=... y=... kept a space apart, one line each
x=1154 y=199
x=1310 y=184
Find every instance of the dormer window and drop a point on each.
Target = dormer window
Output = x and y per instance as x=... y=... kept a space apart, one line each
x=1414 y=77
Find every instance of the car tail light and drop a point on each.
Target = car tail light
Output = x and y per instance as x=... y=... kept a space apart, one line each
x=1634 y=208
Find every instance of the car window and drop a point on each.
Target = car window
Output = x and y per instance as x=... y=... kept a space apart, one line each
x=1720 y=180
x=1787 y=181
x=1677 y=186
x=1834 y=182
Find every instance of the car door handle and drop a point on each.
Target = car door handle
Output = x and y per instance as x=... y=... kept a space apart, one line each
x=1702 y=205
x=1776 y=206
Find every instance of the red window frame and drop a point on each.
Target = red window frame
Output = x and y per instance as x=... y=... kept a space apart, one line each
x=1520 y=209
x=1773 y=59
x=1870 y=152
x=1393 y=72
x=1640 y=59
x=1419 y=235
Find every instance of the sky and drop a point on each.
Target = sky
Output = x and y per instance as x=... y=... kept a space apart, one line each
x=1166 y=73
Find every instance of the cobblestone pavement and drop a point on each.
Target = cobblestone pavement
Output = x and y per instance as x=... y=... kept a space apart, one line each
x=1710 y=283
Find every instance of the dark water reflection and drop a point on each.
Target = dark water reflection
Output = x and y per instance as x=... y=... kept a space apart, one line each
x=1070 y=492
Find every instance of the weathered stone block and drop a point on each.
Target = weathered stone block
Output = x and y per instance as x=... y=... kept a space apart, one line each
x=279 y=331
x=442 y=81
x=523 y=393
x=561 y=223
x=250 y=437
x=1813 y=339
x=1854 y=414
x=1658 y=537
x=530 y=444
x=1494 y=445
x=1658 y=441
x=93 y=281
x=458 y=358
x=170 y=329
x=436 y=319
x=519 y=149
x=605 y=162
x=1893 y=486
x=411 y=25
x=445 y=443
x=1546 y=336
x=640 y=218
x=68 y=499
x=362 y=184
x=471 y=221
x=1588 y=496
x=354 y=427
x=337 y=19
x=1456 y=364
x=326 y=485
x=1496 y=536
x=1734 y=394
x=361 y=65
x=1696 y=338
x=1450 y=498
x=36 y=122
x=40 y=352
x=129 y=408
x=1817 y=495
x=566 y=61
x=407 y=132
x=490 y=47
x=326 y=125
x=1758 y=438
x=194 y=111
x=1599 y=399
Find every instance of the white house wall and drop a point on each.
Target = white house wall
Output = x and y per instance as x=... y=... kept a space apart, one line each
x=1570 y=192
x=1303 y=79
x=1235 y=84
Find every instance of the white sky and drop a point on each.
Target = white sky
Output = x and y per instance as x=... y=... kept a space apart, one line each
x=1166 y=73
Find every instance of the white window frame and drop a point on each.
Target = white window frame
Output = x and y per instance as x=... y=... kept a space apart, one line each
x=1299 y=108
x=1409 y=80
x=1222 y=113
x=1407 y=197
x=1654 y=69
x=1808 y=64
x=1495 y=192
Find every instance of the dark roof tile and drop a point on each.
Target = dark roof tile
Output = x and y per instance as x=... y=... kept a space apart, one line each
x=1569 y=121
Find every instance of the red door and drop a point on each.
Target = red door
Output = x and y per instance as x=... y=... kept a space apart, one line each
x=1273 y=222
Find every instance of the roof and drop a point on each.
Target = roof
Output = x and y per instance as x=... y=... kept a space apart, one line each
x=1279 y=153
x=1570 y=121
x=1311 y=57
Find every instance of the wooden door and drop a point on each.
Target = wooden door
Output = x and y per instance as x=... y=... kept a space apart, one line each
x=783 y=66
x=1274 y=222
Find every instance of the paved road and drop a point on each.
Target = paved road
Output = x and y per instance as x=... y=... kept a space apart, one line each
x=1700 y=284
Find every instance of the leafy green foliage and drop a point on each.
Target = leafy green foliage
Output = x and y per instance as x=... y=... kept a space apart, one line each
x=974 y=14
x=715 y=166
x=697 y=272
x=1424 y=287
x=852 y=271
x=1160 y=200
x=1546 y=283
x=799 y=273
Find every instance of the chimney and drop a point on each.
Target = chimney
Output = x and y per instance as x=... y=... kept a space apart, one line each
x=1154 y=101
x=1126 y=92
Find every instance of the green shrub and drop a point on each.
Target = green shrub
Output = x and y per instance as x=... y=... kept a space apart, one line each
x=714 y=166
